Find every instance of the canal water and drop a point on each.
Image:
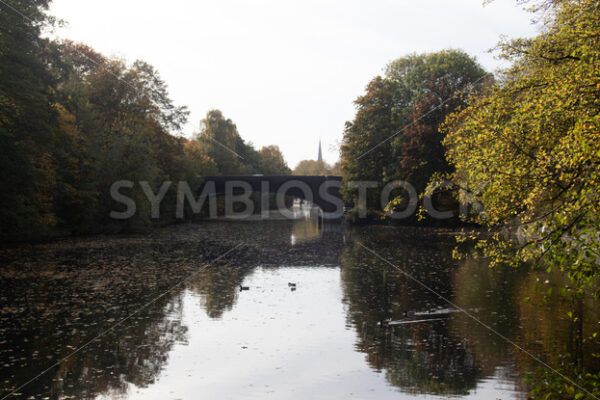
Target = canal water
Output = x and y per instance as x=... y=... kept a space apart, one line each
x=274 y=309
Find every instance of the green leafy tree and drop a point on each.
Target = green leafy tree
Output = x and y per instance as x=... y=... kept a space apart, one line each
x=73 y=122
x=366 y=152
x=28 y=122
x=272 y=161
x=314 y=167
x=395 y=133
x=125 y=116
x=529 y=147
x=220 y=140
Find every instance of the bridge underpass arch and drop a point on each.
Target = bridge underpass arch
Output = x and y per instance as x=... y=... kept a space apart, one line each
x=323 y=191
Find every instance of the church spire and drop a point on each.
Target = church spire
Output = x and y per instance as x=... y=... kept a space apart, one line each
x=320 y=157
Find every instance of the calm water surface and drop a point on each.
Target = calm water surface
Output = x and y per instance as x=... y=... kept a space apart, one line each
x=205 y=338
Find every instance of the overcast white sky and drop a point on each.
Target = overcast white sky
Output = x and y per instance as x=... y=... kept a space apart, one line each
x=286 y=72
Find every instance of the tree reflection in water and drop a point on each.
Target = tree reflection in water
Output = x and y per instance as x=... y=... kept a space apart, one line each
x=68 y=296
x=450 y=356
x=422 y=357
x=56 y=297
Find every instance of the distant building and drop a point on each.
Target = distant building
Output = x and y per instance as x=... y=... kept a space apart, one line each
x=320 y=157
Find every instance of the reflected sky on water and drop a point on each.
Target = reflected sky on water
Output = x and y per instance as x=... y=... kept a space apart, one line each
x=352 y=326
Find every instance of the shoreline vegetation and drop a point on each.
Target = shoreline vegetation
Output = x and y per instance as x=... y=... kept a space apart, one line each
x=523 y=143
x=105 y=265
x=74 y=121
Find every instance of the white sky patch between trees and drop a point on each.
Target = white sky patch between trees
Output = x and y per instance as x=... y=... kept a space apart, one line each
x=286 y=72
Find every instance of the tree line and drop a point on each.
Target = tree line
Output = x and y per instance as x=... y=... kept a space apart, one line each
x=523 y=143
x=73 y=121
x=316 y=167
x=396 y=133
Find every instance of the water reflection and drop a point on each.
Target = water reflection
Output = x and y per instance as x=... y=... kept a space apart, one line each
x=422 y=357
x=47 y=316
x=547 y=330
x=354 y=326
x=306 y=225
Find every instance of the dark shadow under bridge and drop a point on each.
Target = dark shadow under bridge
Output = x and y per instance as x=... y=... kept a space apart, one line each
x=323 y=191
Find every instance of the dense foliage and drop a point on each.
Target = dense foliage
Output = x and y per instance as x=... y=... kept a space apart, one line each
x=315 y=167
x=529 y=148
x=220 y=140
x=528 y=151
x=395 y=133
x=73 y=122
x=28 y=121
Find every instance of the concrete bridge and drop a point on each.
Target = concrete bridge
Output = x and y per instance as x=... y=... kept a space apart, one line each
x=323 y=191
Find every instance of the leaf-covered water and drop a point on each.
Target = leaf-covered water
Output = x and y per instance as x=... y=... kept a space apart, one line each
x=351 y=326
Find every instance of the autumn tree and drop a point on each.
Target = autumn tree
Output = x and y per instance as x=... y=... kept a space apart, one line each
x=529 y=148
x=73 y=122
x=314 y=167
x=124 y=116
x=28 y=122
x=220 y=140
x=428 y=88
x=272 y=161
x=395 y=134
x=366 y=152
